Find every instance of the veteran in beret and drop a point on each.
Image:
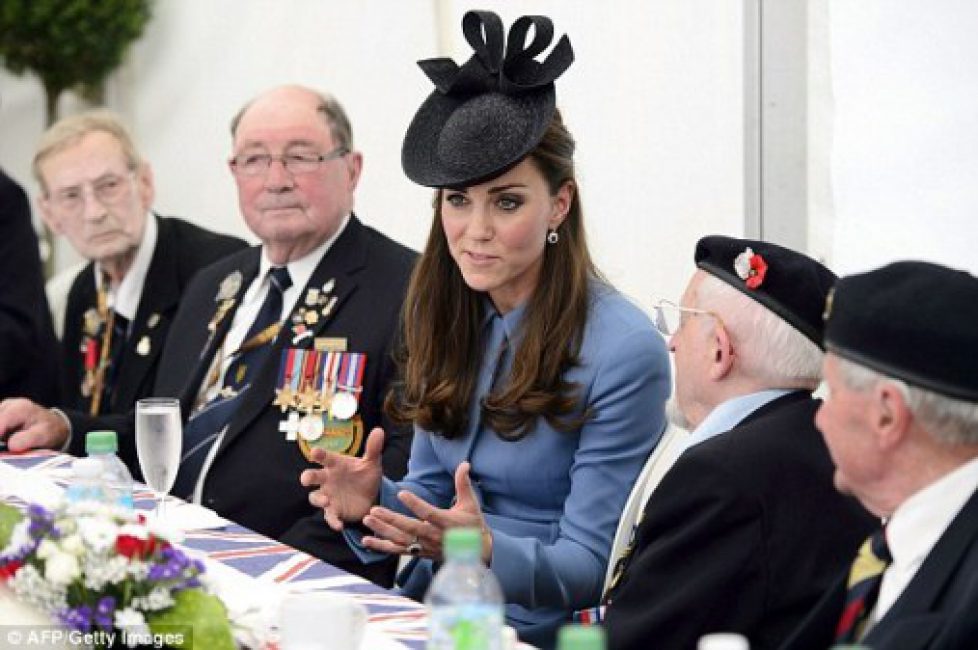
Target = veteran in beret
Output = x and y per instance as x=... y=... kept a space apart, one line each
x=536 y=390
x=901 y=423
x=745 y=531
x=280 y=348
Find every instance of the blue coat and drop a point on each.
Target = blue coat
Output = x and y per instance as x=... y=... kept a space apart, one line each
x=553 y=499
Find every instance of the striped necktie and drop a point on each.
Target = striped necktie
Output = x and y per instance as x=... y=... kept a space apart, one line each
x=863 y=587
x=204 y=426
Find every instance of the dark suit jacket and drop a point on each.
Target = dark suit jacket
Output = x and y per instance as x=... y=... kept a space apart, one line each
x=182 y=249
x=254 y=479
x=28 y=348
x=743 y=534
x=937 y=611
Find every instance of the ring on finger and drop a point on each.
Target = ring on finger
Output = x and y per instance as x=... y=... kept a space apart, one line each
x=414 y=548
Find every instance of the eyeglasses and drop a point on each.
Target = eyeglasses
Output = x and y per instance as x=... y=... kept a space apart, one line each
x=107 y=190
x=669 y=316
x=298 y=162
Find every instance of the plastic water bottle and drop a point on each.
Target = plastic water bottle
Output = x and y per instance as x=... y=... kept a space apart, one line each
x=465 y=604
x=102 y=446
x=723 y=641
x=581 y=637
x=86 y=481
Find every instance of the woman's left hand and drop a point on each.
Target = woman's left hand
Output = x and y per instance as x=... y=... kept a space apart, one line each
x=403 y=535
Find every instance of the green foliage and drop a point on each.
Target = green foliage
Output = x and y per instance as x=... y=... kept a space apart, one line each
x=9 y=516
x=201 y=611
x=69 y=44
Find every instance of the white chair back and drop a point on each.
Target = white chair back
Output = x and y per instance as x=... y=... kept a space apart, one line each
x=671 y=444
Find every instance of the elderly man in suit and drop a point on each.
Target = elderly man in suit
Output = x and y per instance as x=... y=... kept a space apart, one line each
x=97 y=190
x=285 y=347
x=745 y=531
x=901 y=423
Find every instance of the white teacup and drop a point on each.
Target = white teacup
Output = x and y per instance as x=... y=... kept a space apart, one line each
x=319 y=620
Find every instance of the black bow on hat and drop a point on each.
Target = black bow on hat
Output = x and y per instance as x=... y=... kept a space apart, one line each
x=487 y=115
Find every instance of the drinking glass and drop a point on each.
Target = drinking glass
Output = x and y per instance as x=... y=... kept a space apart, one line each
x=159 y=440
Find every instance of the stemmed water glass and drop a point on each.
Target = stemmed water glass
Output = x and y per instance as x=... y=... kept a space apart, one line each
x=159 y=441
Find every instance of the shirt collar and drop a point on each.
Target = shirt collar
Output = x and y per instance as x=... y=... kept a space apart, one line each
x=730 y=413
x=510 y=321
x=125 y=300
x=917 y=524
x=300 y=270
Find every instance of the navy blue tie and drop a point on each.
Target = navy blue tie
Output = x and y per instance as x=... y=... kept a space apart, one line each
x=204 y=426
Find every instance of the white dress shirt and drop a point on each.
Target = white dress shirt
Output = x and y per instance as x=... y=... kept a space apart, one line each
x=125 y=298
x=916 y=525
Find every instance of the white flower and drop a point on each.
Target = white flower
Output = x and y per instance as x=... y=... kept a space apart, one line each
x=98 y=532
x=73 y=544
x=742 y=264
x=100 y=570
x=47 y=549
x=159 y=598
x=133 y=626
x=30 y=587
x=61 y=568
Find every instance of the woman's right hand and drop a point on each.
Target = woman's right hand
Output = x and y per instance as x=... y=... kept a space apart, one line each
x=346 y=486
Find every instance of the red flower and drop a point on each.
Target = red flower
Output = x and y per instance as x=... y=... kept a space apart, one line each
x=133 y=547
x=8 y=570
x=758 y=269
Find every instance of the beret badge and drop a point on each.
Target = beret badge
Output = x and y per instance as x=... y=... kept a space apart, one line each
x=751 y=268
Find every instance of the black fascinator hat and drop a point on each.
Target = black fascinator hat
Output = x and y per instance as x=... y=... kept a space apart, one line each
x=486 y=116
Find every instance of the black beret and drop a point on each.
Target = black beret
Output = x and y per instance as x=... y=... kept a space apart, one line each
x=792 y=285
x=914 y=321
x=485 y=117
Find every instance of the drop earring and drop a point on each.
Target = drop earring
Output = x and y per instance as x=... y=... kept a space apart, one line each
x=553 y=237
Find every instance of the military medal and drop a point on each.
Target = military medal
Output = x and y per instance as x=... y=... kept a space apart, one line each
x=229 y=287
x=337 y=437
x=311 y=427
x=348 y=385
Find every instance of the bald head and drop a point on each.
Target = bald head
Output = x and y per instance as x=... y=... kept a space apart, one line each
x=289 y=101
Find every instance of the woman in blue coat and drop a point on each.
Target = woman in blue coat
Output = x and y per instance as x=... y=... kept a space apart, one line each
x=536 y=390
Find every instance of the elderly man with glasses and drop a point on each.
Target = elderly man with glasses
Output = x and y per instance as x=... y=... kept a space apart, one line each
x=745 y=531
x=287 y=346
x=96 y=190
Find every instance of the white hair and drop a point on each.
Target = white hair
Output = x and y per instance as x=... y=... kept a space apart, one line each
x=951 y=421
x=770 y=350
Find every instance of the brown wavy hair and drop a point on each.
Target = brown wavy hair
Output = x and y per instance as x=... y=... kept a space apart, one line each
x=443 y=320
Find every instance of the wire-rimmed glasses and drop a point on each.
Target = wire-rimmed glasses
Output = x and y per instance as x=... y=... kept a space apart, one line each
x=295 y=162
x=669 y=316
x=109 y=189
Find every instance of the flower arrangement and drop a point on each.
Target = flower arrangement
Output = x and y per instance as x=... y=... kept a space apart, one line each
x=98 y=568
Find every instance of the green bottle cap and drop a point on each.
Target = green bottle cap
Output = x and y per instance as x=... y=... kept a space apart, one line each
x=581 y=637
x=462 y=542
x=101 y=442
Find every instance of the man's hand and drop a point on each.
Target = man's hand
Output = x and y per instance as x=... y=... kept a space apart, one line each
x=347 y=485
x=25 y=425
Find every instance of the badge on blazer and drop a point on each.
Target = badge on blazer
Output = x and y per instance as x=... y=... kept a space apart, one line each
x=92 y=322
x=316 y=306
x=143 y=347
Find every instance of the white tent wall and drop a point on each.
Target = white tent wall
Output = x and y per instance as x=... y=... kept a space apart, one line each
x=654 y=100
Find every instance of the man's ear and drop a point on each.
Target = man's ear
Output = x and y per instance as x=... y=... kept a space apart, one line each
x=890 y=416
x=722 y=352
